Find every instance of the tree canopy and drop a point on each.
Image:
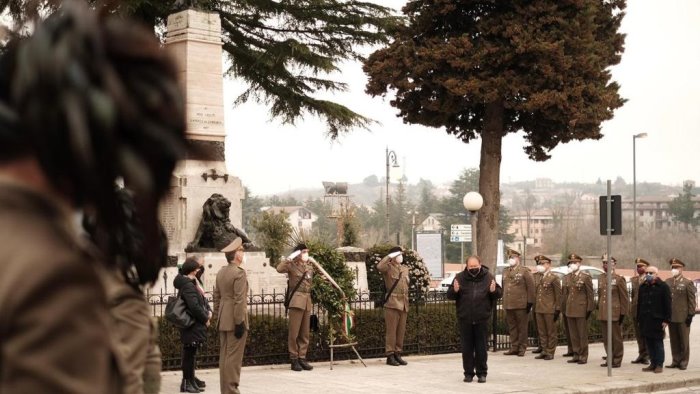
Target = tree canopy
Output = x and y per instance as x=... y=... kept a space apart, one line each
x=284 y=51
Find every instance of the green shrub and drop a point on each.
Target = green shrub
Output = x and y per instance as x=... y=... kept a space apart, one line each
x=419 y=275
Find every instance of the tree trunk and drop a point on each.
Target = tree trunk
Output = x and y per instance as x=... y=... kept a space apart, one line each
x=489 y=184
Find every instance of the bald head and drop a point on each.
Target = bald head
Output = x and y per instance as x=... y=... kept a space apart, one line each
x=473 y=262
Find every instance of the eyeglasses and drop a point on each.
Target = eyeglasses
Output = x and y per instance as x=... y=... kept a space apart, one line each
x=649 y=273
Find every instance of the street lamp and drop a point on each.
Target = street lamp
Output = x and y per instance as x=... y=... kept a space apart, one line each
x=390 y=160
x=473 y=202
x=634 y=188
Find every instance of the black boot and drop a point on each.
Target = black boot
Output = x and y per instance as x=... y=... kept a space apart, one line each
x=295 y=365
x=391 y=360
x=194 y=385
x=304 y=365
x=186 y=387
x=400 y=360
x=200 y=383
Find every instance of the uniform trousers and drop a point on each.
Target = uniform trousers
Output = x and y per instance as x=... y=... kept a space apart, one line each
x=231 y=351
x=474 y=352
x=299 y=326
x=517 y=326
x=680 y=348
x=578 y=328
x=567 y=333
x=618 y=349
x=547 y=331
x=395 y=321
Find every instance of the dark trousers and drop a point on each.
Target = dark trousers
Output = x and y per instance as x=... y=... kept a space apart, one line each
x=655 y=348
x=188 y=354
x=679 y=335
x=474 y=353
x=641 y=342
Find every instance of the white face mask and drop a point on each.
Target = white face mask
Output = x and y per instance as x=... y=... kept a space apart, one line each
x=512 y=262
x=573 y=267
x=540 y=269
x=399 y=259
x=243 y=259
x=305 y=257
x=675 y=272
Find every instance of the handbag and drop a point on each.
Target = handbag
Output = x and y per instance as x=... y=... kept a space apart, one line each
x=177 y=314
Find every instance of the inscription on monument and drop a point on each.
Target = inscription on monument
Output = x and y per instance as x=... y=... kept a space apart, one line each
x=207 y=118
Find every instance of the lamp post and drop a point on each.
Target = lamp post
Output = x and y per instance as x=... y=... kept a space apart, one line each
x=390 y=160
x=634 y=189
x=473 y=202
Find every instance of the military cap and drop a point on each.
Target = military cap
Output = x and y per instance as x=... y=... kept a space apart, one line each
x=300 y=246
x=640 y=261
x=675 y=262
x=541 y=259
x=234 y=245
x=513 y=252
x=604 y=257
x=574 y=258
x=395 y=251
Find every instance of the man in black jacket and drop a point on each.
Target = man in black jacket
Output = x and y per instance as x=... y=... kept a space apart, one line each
x=475 y=291
x=654 y=314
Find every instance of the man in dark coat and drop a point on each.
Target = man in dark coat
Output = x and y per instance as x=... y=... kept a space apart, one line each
x=475 y=291
x=654 y=314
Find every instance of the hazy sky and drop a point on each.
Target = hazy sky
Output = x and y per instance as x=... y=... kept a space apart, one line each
x=658 y=75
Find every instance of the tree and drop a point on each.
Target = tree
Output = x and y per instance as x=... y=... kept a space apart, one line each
x=682 y=207
x=283 y=50
x=371 y=181
x=250 y=208
x=272 y=233
x=488 y=68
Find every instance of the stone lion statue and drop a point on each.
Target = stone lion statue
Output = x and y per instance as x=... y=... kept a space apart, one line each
x=215 y=229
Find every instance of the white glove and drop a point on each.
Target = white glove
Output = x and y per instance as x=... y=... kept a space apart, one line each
x=294 y=255
x=392 y=255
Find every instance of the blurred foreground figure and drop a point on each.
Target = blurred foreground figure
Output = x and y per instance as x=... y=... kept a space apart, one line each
x=85 y=102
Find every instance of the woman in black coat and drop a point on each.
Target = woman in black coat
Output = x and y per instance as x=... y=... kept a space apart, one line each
x=193 y=336
x=654 y=314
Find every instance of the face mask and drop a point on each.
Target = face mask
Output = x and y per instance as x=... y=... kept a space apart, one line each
x=649 y=278
x=540 y=269
x=474 y=271
x=243 y=259
x=640 y=270
x=305 y=257
x=675 y=272
x=573 y=267
x=399 y=259
x=605 y=269
x=200 y=273
x=512 y=262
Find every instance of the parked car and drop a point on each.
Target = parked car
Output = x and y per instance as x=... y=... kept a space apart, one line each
x=447 y=281
x=594 y=272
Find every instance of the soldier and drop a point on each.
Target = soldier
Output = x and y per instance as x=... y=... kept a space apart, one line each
x=518 y=297
x=565 y=282
x=579 y=306
x=547 y=305
x=396 y=279
x=683 y=304
x=620 y=307
x=231 y=306
x=537 y=277
x=643 y=357
x=300 y=271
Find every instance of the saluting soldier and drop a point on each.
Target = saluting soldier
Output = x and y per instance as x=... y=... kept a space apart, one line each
x=620 y=306
x=547 y=305
x=579 y=306
x=643 y=357
x=537 y=277
x=300 y=272
x=518 y=297
x=683 y=303
x=565 y=283
x=396 y=280
x=231 y=307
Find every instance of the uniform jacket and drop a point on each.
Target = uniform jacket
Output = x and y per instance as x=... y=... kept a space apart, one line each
x=54 y=318
x=536 y=277
x=548 y=294
x=620 y=297
x=231 y=297
x=579 y=299
x=635 y=280
x=682 y=298
x=565 y=283
x=474 y=300
x=298 y=270
x=196 y=306
x=653 y=308
x=391 y=272
x=518 y=287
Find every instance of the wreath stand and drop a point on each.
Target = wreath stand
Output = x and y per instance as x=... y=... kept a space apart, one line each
x=332 y=346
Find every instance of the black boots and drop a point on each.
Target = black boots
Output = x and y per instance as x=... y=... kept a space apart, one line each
x=189 y=386
x=391 y=360
x=304 y=365
x=296 y=366
x=398 y=358
x=200 y=383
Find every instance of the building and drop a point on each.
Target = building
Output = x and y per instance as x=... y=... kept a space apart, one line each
x=299 y=217
x=431 y=223
x=529 y=229
x=653 y=212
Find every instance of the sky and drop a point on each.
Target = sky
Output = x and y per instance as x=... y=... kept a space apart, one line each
x=658 y=75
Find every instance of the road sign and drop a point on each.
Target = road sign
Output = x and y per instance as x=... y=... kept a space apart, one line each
x=460 y=239
x=457 y=227
x=461 y=233
x=615 y=214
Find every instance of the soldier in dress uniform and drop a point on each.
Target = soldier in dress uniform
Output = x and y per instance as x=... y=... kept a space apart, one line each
x=231 y=307
x=565 y=282
x=643 y=357
x=300 y=271
x=620 y=307
x=537 y=277
x=518 y=298
x=683 y=303
x=396 y=280
x=547 y=305
x=579 y=306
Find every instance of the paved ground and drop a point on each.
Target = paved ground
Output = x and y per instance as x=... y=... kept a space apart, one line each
x=443 y=374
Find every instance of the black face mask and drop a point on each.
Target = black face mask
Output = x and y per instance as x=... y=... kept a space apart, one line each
x=474 y=271
x=200 y=273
